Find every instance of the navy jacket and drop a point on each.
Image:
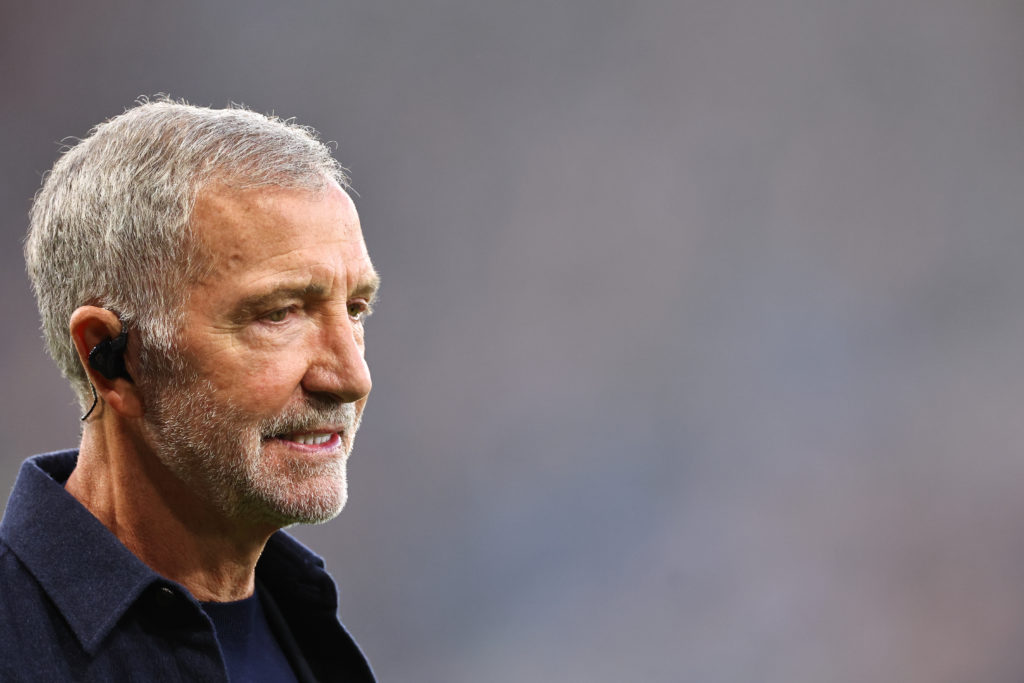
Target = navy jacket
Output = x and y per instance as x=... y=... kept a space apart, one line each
x=77 y=605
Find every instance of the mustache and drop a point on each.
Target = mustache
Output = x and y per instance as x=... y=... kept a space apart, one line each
x=309 y=417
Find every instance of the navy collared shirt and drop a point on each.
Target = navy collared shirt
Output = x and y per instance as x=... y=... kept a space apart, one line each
x=77 y=605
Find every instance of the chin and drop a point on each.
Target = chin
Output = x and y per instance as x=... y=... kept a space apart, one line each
x=315 y=501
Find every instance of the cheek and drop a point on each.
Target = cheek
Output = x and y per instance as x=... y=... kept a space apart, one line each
x=260 y=383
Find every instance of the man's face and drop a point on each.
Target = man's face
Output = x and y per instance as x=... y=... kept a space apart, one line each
x=262 y=420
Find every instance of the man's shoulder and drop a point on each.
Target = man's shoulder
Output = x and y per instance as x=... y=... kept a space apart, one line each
x=32 y=631
x=40 y=478
x=13 y=574
x=29 y=616
x=75 y=604
x=19 y=591
x=65 y=580
x=23 y=526
x=37 y=501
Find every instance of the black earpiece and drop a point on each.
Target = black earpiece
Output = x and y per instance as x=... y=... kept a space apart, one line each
x=107 y=357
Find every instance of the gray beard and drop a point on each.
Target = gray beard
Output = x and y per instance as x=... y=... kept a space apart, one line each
x=217 y=450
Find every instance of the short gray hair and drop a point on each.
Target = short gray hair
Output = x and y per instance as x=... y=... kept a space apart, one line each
x=111 y=224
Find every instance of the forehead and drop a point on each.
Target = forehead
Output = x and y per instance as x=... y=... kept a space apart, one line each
x=254 y=236
x=226 y=218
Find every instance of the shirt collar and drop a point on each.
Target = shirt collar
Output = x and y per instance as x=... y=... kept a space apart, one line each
x=293 y=572
x=89 y=574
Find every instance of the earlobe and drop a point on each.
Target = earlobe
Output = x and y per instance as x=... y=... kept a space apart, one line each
x=101 y=342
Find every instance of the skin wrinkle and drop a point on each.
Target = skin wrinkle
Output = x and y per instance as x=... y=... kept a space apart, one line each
x=257 y=304
x=200 y=392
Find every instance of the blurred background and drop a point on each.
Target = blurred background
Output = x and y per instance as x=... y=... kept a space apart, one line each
x=699 y=350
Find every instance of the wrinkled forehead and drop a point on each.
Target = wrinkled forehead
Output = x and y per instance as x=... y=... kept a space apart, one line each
x=234 y=223
x=251 y=238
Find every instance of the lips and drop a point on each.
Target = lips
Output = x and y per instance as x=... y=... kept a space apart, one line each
x=312 y=427
x=317 y=439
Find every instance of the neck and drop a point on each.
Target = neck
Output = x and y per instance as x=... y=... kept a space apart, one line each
x=160 y=519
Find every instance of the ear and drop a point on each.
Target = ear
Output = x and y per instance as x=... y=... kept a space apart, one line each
x=90 y=325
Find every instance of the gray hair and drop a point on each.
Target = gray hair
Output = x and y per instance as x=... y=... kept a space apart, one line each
x=111 y=224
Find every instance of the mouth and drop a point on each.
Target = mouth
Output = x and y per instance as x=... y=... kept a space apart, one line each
x=326 y=439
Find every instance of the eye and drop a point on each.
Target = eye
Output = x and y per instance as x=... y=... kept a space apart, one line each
x=277 y=316
x=359 y=310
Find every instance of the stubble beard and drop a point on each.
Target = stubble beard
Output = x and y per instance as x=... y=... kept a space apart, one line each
x=218 y=450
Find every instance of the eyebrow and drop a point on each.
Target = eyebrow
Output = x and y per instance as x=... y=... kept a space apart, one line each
x=260 y=302
x=368 y=287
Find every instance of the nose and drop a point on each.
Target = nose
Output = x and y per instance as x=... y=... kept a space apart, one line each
x=338 y=368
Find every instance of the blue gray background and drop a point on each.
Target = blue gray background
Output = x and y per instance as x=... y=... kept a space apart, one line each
x=699 y=351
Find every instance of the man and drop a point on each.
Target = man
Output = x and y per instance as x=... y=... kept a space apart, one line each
x=204 y=285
